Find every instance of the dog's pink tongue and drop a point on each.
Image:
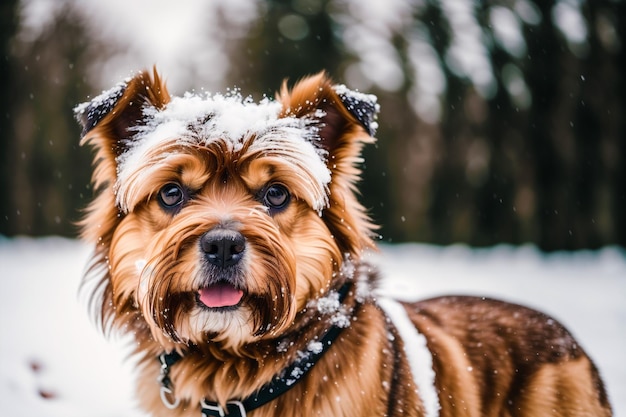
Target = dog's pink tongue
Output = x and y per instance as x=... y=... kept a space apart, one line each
x=220 y=295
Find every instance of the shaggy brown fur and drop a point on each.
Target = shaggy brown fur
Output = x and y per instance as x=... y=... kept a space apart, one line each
x=173 y=188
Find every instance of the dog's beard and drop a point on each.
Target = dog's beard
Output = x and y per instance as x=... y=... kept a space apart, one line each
x=175 y=277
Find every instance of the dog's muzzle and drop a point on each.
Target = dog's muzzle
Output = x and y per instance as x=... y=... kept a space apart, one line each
x=223 y=249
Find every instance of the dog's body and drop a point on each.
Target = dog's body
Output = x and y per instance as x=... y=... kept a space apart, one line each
x=229 y=233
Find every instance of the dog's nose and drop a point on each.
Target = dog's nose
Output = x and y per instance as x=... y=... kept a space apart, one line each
x=223 y=247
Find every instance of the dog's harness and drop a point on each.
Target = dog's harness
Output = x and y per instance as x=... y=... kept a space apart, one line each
x=419 y=358
x=270 y=391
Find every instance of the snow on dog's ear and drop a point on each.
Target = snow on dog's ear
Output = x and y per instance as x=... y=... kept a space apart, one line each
x=108 y=119
x=362 y=106
x=343 y=116
x=118 y=109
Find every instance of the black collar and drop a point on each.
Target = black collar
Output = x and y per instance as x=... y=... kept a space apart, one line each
x=270 y=391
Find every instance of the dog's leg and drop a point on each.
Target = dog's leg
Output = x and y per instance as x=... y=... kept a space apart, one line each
x=567 y=389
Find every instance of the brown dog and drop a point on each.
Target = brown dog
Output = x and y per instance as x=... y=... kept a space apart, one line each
x=229 y=242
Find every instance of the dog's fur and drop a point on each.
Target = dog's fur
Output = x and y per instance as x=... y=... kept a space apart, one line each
x=175 y=175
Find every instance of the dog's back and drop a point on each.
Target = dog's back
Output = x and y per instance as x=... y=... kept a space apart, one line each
x=493 y=358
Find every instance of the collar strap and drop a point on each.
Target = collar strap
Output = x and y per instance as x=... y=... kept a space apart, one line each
x=270 y=391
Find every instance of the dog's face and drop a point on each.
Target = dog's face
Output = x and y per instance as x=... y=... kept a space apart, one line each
x=218 y=218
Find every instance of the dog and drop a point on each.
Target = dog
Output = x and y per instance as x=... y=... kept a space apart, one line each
x=229 y=242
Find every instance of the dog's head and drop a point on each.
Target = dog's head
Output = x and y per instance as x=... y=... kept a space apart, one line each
x=218 y=218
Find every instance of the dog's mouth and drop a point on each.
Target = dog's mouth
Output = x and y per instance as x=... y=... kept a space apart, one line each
x=220 y=295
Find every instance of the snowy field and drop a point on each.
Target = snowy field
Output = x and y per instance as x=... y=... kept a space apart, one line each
x=54 y=363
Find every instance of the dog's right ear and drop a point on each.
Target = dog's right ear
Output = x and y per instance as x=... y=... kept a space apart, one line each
x=108 y=119
x=107 y=122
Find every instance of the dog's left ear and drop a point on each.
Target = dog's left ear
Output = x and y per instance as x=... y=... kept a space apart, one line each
x=362 y=106
x=345 y=118
x=346 y=121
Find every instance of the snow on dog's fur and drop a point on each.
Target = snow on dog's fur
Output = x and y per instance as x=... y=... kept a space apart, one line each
x=229 y=231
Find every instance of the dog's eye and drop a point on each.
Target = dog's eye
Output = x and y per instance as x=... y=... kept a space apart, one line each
x=171 y=196
x=276 y=197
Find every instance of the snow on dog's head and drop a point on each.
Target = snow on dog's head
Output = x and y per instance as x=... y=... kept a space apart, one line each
x=238 y=126
x=217 y=217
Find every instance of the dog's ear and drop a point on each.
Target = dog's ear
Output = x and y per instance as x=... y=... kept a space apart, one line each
x=346 y=121
x=117 y=110
x=363 y=107
x=341 y=114
x=109 y=118
x=107 y=122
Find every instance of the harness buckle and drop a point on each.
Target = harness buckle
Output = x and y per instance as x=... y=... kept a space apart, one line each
x=234 y=409
x=168 y=397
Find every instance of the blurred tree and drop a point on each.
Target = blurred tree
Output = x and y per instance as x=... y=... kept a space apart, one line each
x=560 y=155
x=48 y=172
x=290 y=40
x=8 y=27
x=526 y=145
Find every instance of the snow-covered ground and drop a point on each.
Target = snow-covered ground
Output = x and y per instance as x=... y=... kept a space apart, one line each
x=53 y=361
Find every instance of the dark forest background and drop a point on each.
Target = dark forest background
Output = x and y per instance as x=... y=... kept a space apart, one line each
x=535 y=154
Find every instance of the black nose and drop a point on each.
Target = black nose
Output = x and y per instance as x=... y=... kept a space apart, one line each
x=223 y=247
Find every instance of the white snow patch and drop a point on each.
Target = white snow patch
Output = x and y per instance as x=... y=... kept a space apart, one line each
x=333 y=309
x=329 y=304
x=108 y=99
x=44 y=321
x=417 y=353
x=342 y=90
x=315 y=347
